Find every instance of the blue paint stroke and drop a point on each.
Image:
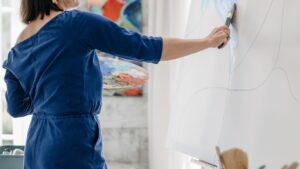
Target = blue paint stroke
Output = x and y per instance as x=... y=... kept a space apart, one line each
x=204 y=6
x=223 y=7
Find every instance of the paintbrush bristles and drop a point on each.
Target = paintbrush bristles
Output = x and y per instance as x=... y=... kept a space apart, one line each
x=235 y=159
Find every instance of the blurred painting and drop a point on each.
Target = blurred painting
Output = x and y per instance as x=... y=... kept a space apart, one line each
x=128 y=14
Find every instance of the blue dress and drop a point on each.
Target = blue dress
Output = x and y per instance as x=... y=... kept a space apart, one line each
x=55 y=76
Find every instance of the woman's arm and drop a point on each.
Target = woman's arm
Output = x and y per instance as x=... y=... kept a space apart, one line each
x=174 y=48
x=97 y=32
x=18 y=102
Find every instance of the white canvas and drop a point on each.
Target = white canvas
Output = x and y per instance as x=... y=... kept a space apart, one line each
x=247 y=96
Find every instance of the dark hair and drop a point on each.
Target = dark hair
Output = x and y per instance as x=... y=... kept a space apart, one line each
x=32 y=9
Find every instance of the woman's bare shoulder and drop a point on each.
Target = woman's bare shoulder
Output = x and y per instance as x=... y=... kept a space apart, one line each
x=34 y=27
x=23 y=35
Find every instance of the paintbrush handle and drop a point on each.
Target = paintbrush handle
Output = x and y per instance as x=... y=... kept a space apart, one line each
x=228 y=20
x=221 y=46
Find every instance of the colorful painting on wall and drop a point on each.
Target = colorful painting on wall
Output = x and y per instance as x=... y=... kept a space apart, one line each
x=126 y=13
x=122 y=76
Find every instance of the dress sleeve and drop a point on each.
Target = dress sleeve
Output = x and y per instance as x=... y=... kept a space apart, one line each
x=97 y=32
x=18 y=102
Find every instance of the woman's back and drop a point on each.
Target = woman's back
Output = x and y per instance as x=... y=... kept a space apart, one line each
x=58 y=67
x=55 y=71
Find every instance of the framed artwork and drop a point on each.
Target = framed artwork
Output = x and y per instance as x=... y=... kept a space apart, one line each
x=121 y=77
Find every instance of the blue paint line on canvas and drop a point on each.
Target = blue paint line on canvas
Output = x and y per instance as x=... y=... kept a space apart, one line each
x=223 y=7
x=204 y=5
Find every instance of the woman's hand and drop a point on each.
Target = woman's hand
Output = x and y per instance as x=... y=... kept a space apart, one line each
x=174 y=48
x=218 y=36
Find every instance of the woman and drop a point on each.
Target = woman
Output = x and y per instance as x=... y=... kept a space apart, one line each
x=53 y=73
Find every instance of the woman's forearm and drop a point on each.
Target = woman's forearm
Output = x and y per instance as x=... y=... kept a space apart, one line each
x=174 y=48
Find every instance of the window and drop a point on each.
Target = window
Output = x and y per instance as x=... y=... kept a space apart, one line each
x=11 y=130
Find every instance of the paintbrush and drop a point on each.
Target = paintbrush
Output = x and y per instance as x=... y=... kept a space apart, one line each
x=229 y=20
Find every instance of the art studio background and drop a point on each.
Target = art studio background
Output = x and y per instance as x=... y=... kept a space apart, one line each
x=245 y=96
x=126 y=119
